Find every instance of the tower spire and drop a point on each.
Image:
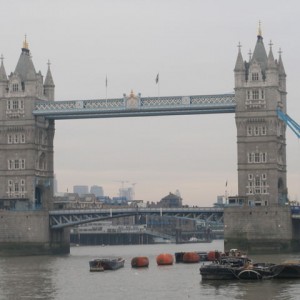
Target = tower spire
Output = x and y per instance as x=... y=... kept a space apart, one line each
x=259 y=33
x=25 y=43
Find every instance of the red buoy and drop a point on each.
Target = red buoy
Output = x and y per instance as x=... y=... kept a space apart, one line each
x=164 y=259
x=140 y=262
x=213 y=255
x=191 y=257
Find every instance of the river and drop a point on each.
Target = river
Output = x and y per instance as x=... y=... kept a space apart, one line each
x=68 y=277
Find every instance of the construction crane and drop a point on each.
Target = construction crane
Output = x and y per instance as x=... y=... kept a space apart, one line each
x=289 y=122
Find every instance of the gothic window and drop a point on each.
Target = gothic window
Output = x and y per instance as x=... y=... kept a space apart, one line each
x=42 y=162
x=254 y=76
x=263 y=130
x=250 y=176
x=256 y=157
x=9 y=139
x=255 y=94
x=248 y=95
x=23 y=164
x=256 y=130
x=17 y=165
x=264 y=176
x=16 y=139
x=262 y=93
x=15 y=87
x=263 y=157
x=15 y=104
x=249 y=157
x=8 y=104
x=10 y=164
x=16 y=187
x=249 y=130
x=22 y=138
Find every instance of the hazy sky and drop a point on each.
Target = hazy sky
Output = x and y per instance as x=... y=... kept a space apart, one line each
x=193 y=46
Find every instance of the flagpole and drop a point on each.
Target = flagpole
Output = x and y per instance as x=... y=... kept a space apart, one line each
x=157 y=82
x=106 y=89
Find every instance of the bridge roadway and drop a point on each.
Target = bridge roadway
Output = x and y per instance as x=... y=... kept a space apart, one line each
x=68 y=218
x=213 y=215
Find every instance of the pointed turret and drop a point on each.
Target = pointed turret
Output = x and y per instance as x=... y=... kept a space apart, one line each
x=3 y=78
x=49 y=84
x=239 y=64
x=25 y=79
x=25 y=68
x=239 y=69
x=259 y=53
x=282 y=74
x=280 y=65
x=271 y=61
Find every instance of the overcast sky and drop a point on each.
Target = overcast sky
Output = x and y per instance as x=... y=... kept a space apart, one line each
x=193 y=46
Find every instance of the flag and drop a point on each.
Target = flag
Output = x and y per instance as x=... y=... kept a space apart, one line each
x=106 y=81
x=157 y=78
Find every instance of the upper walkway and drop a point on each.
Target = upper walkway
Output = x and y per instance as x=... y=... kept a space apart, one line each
x=132 y=106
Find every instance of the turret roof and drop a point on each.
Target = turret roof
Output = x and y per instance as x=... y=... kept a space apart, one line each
x=49 y=80
x=25 y=68
x=260 y=54
x=3 y=76
x=239 y=65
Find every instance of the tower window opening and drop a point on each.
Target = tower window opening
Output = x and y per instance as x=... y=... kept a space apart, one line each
x=254 y=76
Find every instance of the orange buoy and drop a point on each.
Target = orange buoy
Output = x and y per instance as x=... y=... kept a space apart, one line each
x=191 y=257
x=164 y=259
x=213 y=255
x=140 y=262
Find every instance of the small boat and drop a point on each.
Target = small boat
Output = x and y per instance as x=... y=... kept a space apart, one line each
x=140 y=262
x=164 y=259
x=287 y=269
x=229 y=268
x=191 y=257
x=101 y=264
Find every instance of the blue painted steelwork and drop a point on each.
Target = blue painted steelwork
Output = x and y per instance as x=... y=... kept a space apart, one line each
x=133 y=106
x=67 y=218
x=289 y=121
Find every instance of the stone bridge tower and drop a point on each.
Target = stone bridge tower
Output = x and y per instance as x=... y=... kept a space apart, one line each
x=262 y=221
x=260 y=87
x=26 y=155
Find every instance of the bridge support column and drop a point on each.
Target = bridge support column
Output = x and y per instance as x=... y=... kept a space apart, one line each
x=260 y=229
x=28 y=233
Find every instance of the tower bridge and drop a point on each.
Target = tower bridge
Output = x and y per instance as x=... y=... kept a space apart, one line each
x=28 y=116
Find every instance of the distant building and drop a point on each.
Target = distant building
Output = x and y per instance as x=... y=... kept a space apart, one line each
x=81 y=189
x=55 y=189
x=127 y=193
x=97 y=191
x=170 y=201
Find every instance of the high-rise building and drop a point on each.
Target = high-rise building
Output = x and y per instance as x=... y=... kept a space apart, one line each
x=97 y=190
x=81 y=189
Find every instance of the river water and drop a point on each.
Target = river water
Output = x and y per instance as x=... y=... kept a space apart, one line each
x=68 y=277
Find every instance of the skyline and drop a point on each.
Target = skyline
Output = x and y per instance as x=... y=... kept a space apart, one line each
x=100 y=49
